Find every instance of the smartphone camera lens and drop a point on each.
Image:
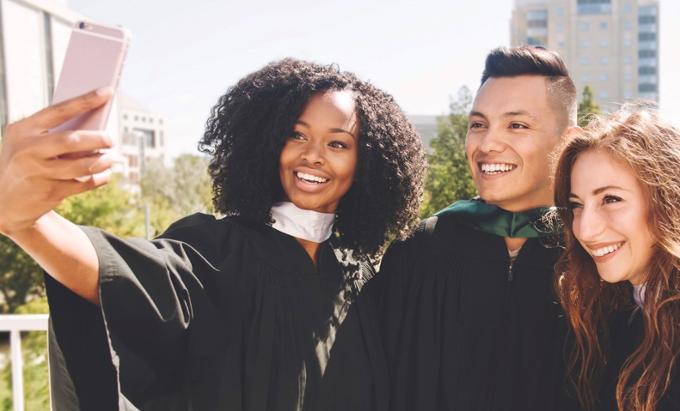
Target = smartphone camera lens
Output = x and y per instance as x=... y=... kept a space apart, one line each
x=81 y=25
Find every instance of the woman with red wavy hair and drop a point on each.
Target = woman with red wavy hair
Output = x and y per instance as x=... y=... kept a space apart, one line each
x=618 y=192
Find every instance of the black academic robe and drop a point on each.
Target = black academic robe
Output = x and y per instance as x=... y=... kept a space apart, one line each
x=215 y=315
x=463 y=330
x=626 y=330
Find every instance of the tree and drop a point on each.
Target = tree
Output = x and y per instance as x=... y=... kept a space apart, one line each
x=587 y=108
x=448 y=178
x=20 y=277
x=174 y=192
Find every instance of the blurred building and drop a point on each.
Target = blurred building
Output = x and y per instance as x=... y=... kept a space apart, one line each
x=142 y=137
x=34 y=35
x=610 y=45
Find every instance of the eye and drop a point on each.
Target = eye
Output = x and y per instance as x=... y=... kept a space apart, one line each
x=518 y=126
x=476 y=124
x=609 y=199
x=337 y=144
x=297 y=136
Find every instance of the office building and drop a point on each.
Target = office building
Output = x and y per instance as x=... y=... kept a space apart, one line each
x=610 y=45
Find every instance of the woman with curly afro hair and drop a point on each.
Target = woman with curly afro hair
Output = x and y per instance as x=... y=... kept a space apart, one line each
x=314 y=171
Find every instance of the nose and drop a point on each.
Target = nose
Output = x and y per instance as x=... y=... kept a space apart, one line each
x=313 y=153
x=491 y=142
x=588 y=225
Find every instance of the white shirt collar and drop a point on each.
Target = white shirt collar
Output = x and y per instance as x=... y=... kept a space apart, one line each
x=300 y=223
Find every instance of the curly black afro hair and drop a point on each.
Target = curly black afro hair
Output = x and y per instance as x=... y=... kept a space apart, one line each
x=250 y=124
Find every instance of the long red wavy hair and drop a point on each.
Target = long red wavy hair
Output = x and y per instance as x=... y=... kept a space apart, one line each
x=651 y=148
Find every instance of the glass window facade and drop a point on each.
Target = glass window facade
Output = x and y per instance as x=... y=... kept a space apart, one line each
x=589 y=7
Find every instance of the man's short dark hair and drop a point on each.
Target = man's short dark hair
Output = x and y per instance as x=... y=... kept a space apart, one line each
x=533 y=60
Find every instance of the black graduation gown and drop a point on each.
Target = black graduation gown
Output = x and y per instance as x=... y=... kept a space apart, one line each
x=463 y=330
x=214 y=315
x=626 y=330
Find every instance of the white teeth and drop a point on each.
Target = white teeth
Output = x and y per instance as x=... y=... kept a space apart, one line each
x=606 y=250
x=310 y=178
x=496 y=167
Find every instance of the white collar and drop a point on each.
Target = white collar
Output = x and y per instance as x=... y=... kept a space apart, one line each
x=300 y=223
x=639 y=294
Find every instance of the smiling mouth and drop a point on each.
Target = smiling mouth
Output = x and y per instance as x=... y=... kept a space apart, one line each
x=606 y=250
x=310 y=178
x=496 y=168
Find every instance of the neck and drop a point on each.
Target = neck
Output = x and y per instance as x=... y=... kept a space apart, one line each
x=513 y=243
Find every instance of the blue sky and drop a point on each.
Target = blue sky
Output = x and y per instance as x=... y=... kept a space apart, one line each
x=184 y=54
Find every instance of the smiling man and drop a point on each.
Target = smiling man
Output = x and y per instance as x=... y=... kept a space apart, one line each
x=467 y=309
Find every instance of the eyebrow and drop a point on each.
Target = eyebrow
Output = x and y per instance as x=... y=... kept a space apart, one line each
x=600 y=190
x=332 y=130
x=506 y=114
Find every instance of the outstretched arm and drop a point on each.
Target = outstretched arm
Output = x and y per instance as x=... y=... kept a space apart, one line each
x=38 y=170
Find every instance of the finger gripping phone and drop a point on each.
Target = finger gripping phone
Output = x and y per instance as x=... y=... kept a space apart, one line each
x=94 y=59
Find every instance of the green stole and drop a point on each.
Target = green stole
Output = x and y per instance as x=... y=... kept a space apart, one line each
x=491 y=219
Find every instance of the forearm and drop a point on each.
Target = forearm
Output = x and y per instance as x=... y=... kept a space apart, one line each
x=65 y=252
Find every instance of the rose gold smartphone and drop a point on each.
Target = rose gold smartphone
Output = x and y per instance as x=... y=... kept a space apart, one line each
x=94 y=59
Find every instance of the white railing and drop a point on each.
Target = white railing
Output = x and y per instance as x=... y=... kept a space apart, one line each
x=15 y=324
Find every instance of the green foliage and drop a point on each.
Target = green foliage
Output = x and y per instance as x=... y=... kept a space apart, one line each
x=20 y=277
x=110 y=208
x=175 y=192
x=587 y=108
x=448 y=178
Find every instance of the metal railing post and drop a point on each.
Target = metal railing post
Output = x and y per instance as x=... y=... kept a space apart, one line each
x=15 y=324
x=17 y=370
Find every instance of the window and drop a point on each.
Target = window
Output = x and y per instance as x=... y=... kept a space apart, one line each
x=647 y=54
x=604 y=25
x=585 y=78
x=627 y=25
x=604 y=61
x=537 y=23
x=584 y=61
x=604 y=43
x=136 y=118
x=628 y=77
x=604 y=94
x=647 y=20
x=647 y=88
x=604 y=77
x=584 y=44
x=645 y=70
x=588 y=7
x=627 y=60
x=124 y=116
x=647 y=36
x=584 y=26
